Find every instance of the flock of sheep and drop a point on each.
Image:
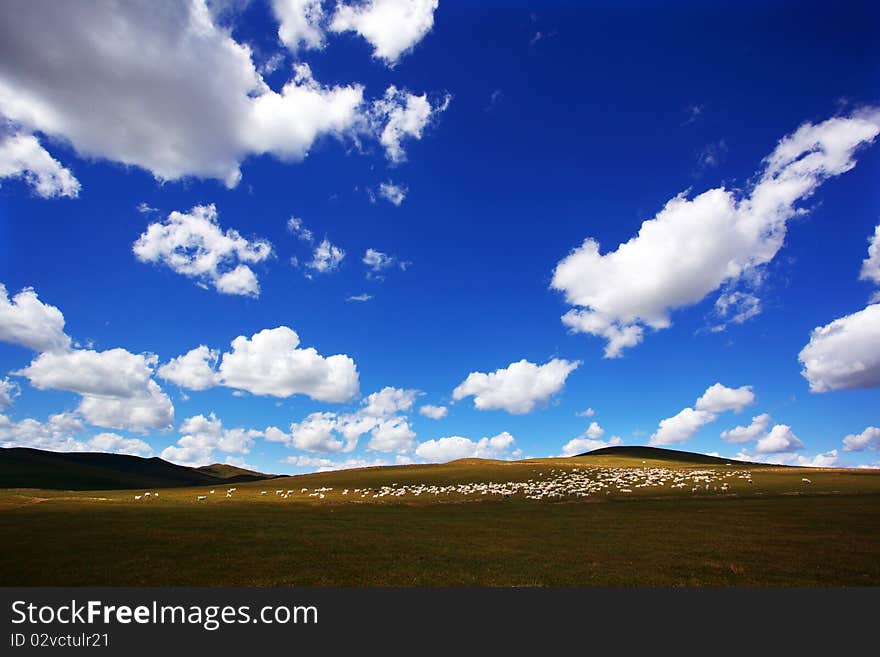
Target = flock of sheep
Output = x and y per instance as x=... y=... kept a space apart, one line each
x=555 y=484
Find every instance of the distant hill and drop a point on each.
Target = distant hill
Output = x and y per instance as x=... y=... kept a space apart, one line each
x=660 y=454
x=22 y=467
x=232 y=472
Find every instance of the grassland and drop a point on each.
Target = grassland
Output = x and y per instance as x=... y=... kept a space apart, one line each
x=770 y=529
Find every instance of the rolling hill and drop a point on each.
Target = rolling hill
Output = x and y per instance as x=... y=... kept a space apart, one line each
x=637 y=453
x=22 y=467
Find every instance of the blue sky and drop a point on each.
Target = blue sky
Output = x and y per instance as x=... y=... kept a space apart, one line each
x=514 y=133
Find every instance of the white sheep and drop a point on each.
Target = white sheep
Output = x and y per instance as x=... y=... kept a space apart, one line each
x=806 y=481
x=201 y=497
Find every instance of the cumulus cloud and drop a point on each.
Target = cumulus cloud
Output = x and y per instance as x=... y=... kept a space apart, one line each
x=326 y=257
x=451 y=448
x=726 y=236
x=377 y=262
x=9 y=390
x=389 y=401
x=741 y=434
x=587 y=413
x=518 y=388
x=717 y=399
x=56 y=435
x=172 y=92
x=270 y=362
x=300 y=24
x=780 y=439
x=27 y=321
x=736 y=307
x=867 y=439
x=112 y=442
x=194 y=370
x=380 y=416
x=194 y=245
x=871 y=265
x=400 y=115
x=393 y=193
x=175 y=94
x=434 y=412
x=587 y=443
x=321 y=464
x=22 y=156
x=844 y=354
x=202 y=436
x=824 y=460
x=116 y=386
x=360 y=297
x=392 y=27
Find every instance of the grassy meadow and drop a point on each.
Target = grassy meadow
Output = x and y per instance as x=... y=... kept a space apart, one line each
x=766 y=528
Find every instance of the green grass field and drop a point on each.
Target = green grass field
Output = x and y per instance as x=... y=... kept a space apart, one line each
x=767 y=527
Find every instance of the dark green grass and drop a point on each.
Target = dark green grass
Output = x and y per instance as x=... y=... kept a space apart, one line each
x=804 y=540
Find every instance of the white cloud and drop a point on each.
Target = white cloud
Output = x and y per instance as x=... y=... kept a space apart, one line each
x=360 y=297
x=587 y=413
x=194 y=245
x=392 y=435
x=451 y=448
x=194 y=370
x=680 y=427
x=27 y=321
x=394 y=194
x=148 y=409
x=116 y=444
x=736 y=307
x=116 y=386
x=725 y=235
x=399 y=115
x=871 y=265
x=317 y=433
x=22 y=156
x=379 y=415
x=756 y=429
x=378 y=262
x=389 y=401
x=392 y=27
x=201 y=436
x=826 y=460
x=299 y=24
x=780 y=439
x=844 y=354
x=586 y=443
x=111 y=373
x=516 y=388
x=434 y=412
x=56 y=435
x=326 y=257
x=296 y=226
x=717 y=399
x=594 y=431
x=9 y=390
x=171 y=93
x=318 y=464
x=271 y=363
x=868 y=439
